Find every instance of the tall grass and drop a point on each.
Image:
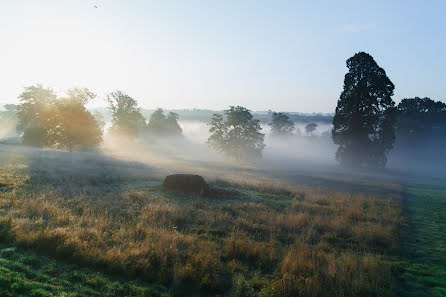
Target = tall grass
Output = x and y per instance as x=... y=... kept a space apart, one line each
x=251 y=238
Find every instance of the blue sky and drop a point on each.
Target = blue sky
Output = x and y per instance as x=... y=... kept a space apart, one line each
x=279 y=55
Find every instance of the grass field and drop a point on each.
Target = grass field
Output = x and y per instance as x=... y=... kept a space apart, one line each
x=24 y=273
x=109 y=223
x=423 y=244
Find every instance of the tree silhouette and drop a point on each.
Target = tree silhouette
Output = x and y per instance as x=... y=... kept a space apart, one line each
x=159 y=123
x=420 y=118
x=127 y=119
x=281 y=125
x=365 y=114
x=310 y=128
x=236 y=134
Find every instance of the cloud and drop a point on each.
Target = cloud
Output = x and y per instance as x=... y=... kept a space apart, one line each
x=358 y=28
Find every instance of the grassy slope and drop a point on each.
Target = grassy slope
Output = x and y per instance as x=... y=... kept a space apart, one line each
x=423 y=244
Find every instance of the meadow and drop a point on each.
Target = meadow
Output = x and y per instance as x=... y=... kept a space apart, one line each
x=254 y=236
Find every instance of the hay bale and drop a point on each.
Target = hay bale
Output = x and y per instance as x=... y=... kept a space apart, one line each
x=186 y=183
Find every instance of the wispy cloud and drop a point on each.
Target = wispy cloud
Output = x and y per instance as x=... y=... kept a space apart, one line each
x=358 y=28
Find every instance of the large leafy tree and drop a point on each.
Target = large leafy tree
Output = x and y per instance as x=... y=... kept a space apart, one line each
x=127 y=119
x=365 y=114
x=159 y=123
x=236 y=134
x=281 y=125
x=46 y=120
x=419 y=118
x=34 y=111
x=72 y=125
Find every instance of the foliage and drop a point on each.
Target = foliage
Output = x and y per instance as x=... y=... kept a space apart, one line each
x=281 y=125
x=9 y=112
x=100 y=119
x=419 y=118
x=34 y=111
x=71 y=124
x=236 y=134
x=365 y=114
x=310 y=128
x=46 y=120
x=127 y=119
x=162 y=124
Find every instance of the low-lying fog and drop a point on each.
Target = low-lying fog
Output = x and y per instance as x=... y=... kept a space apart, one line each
x=316 y=148
x=189 y=153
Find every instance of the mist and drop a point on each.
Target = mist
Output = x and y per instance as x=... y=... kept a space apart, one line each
x=189 y=153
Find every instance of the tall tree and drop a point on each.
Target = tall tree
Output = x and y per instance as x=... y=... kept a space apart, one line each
x=281 y=125
x=127 y=119
x=365 y=114
x=236 y=134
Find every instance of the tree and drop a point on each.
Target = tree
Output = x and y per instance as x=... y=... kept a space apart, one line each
x=34 y=111
x=127 y=119
x=281 y=125
x=162 y=124
x=236 y=134
x=100 y=119
x=310 y=128
x=8 y=120
x=419 y=119
x=172 y=123
x=46 y=120
x=365 y=114
x=9 y=112
x=72 y=125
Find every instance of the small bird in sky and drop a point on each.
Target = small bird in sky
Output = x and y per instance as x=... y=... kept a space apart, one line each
x=95 y=6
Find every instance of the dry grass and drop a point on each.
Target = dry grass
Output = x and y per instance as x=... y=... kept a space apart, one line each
x=253 y=238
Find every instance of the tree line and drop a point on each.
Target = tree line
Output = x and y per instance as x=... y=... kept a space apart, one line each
x=365 y=125
x=46 y=120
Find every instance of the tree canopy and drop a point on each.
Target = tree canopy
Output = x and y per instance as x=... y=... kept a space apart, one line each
x=365 y=114
x=127 y=119
x=310 y=128
x=419 y=118
x=46 y=120
x=281 y=125
x=72 y=125
x=236 y=134
x=159 y=123
x=34 y=111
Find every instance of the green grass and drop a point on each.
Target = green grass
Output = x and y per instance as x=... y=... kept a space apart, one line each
x=423 y=244
x=24 y=273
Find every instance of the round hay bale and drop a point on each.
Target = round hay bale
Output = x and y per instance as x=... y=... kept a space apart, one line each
x=186 y=183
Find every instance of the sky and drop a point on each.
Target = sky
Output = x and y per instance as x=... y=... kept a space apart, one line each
x=278 y=55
